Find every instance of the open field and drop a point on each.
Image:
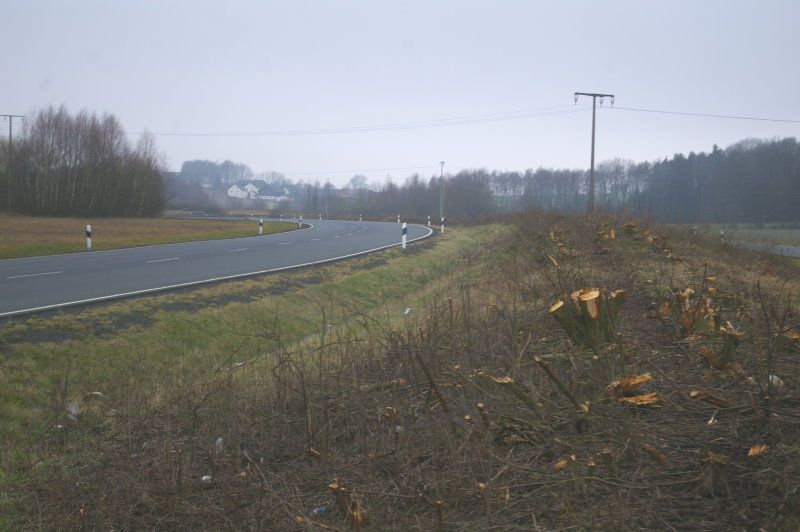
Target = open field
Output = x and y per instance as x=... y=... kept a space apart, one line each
x=767 y=236
x=27 y=236
x=752 y=234
x=429 y=390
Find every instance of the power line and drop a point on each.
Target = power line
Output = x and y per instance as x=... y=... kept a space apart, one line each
x=540 y=112
x=707 y=115
x=357 y=171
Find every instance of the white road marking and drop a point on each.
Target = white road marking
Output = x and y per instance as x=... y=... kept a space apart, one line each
x=33 y=275
x=284 y=243
x=315 y=239
x=349 y=234
x=164 y=260
x=337 y=236
x=236 y=250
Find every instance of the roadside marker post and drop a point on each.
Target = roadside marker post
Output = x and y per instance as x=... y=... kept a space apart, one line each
x=88 y=237
x=405 y=234
x=444 y=221
x=320 y=217
x=301 y=221
x=429 y=220
x=261 y=227
x=359 y=218
x=398 y=218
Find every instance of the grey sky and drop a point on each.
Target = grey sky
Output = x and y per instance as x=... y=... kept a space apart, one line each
x=233 y=67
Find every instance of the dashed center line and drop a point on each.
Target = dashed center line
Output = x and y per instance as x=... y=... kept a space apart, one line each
x=236 y=250
x=33 y=275
x=164 y=260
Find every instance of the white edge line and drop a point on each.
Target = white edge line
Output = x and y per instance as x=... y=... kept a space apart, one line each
x=164 y=260
x=205 y=281
x=117 y=250
x=33 y=274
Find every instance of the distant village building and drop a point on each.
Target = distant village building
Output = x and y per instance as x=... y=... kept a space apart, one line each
x=257 y=190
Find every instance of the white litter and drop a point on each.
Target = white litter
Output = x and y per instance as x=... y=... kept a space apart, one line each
x=775 y=381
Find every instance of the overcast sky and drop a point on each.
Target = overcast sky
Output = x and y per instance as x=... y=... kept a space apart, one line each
x=287 y=67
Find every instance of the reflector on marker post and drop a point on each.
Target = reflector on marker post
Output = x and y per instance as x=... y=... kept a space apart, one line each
x=261 y=227
x=405 y=233
x=88 y=237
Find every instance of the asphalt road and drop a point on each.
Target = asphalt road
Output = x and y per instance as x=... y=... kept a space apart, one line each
x=41 y=283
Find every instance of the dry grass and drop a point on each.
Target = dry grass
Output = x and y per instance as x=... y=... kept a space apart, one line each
x=28 y=236
x=473 y=412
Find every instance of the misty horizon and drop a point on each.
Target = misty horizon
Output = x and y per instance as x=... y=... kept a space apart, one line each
x=280 y=87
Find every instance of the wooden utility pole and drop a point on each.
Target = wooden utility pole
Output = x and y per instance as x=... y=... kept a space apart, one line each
x=10 y=152
x=594 y=96
x=441 y=190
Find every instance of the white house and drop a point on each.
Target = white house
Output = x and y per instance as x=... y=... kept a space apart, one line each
x=243 y=191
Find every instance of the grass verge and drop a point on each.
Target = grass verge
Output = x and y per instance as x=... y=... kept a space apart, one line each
x=27 y=236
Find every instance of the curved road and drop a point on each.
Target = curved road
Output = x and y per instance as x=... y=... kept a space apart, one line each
x=41 y=283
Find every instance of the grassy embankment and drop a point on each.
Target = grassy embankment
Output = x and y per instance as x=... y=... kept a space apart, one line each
x=294 y=405
x=142 y=352
x=26 y=236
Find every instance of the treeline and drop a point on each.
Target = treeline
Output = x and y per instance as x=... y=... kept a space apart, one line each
x=80 y=165
x=467 y=195
x=214 y=173
x=753 y=181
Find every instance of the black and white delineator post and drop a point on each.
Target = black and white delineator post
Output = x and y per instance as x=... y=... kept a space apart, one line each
x=405 y=235
x=320 y=216
x=261 y=227
x=88 y=237
x=359 y=218
x=444 y=222
x=301 y=221
x=398 y=218
x=429 y=220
